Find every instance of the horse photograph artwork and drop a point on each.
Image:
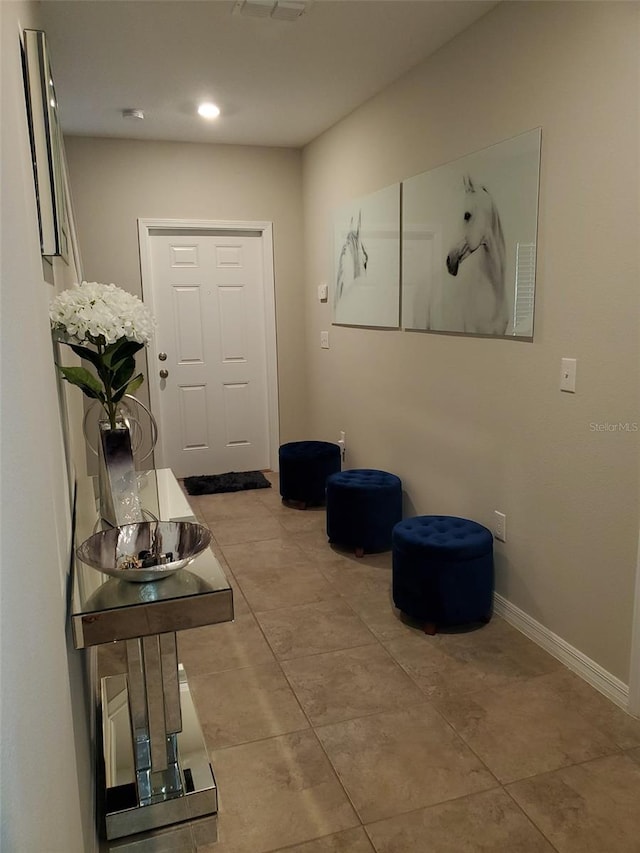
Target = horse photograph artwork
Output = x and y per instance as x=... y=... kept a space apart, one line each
x=484 y=308
x=366 y=284
x=466 y=227
x=352 y=263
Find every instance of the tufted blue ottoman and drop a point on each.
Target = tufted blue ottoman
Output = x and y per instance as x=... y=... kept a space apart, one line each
x=443 y=570
x=304 y=468
x=362 y=507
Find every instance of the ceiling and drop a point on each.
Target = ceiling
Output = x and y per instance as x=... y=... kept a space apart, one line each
x=277 y=82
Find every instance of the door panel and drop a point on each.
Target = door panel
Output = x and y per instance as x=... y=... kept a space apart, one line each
x=237 y=405
x=188 y=323
x=233 y=330
x=193 y=417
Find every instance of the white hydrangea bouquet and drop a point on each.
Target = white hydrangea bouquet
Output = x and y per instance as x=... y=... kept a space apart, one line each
x=106 y=326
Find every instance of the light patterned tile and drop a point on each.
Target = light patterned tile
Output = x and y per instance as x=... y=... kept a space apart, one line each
x=522 y=730
x=315 y=545
x=448 y=665
x=241 y=705
x=302 y=521
x=634 y=754
x=230 y=505
x=277 y=553
x=271 y=498
x=398 y=761
x=377 y=611
x=588 y=808
x=474 y=824
x=229 y=645
x=285 y=586
x=357 y=580
x=350 y=683
x=253 y=528
x=349 y=841
x=313 y=628
x=275 y=793
x=601 y=712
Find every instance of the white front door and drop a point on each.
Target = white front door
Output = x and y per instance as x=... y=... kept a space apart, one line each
x=208 y=364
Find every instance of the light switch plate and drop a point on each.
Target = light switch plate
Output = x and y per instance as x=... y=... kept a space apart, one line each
x=568 y=375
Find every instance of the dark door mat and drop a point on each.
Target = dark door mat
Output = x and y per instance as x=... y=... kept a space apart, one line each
x=211 y=484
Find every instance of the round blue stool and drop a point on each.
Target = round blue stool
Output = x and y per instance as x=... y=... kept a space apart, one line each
x=443 y=570
x=304 y=468
x=363 y=505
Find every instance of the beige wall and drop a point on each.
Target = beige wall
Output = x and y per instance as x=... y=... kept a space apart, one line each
x=474 y=425
x=47 y=792
x=115 y=182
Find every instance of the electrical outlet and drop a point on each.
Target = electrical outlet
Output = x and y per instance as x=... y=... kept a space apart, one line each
x=500 y=525
x=342 y=444
x=324 y=340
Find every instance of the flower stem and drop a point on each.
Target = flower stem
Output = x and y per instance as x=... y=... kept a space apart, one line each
x=105 y=375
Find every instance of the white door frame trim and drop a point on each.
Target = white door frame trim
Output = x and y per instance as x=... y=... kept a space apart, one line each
x=145 y=226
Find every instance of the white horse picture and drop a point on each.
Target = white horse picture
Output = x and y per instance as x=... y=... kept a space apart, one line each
x=352 y=263
x=464 y=225
x=366 y=283
x=482 y=302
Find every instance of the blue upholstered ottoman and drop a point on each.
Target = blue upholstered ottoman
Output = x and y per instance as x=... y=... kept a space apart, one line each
x=362 y=507
x=443 y=570
x=304 y=468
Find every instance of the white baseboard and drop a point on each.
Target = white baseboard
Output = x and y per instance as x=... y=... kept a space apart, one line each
x=575 y=660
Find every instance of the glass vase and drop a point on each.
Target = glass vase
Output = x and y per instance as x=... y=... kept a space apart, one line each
x=118 y=483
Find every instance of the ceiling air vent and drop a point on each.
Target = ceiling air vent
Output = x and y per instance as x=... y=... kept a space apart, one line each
x=281 y=10
x=288 y=10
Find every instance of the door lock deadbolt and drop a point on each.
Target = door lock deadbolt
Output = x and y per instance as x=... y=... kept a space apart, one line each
x=162 y=356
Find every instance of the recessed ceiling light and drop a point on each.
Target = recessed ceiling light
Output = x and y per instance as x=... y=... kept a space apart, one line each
x=208 y=110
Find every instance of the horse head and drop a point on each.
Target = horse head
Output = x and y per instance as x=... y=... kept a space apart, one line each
x=481 y=293
x=479 y=223
x=359 y=254
x=353 y=258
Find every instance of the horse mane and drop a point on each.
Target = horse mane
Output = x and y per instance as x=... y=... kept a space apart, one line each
x=351 y=246
x=498 y=235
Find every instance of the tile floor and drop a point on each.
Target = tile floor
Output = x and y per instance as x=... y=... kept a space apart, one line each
x=336 y=727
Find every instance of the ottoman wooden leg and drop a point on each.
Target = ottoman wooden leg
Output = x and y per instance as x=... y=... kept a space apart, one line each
x=430 y=628
x=294 y=504
x=359 y=552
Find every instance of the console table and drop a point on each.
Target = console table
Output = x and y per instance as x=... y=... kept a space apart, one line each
x=156 y=766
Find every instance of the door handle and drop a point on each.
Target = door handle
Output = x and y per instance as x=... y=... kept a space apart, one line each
x=164 y=374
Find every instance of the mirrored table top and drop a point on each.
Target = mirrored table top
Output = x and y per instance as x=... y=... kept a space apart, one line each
x=105 y=609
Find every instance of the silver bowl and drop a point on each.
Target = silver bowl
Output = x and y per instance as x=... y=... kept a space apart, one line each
x=146 y=551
